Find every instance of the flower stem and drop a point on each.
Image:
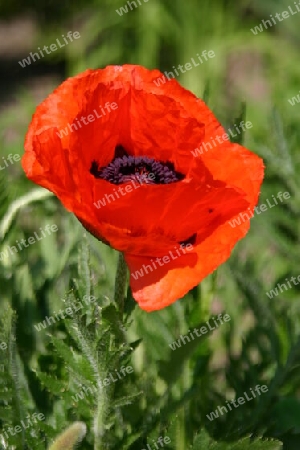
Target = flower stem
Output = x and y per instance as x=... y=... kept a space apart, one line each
x=120 y=284
x=100 y=419
x=105 y=394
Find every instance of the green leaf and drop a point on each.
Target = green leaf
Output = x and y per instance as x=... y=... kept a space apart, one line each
x=204 y=441
x=287 y=415
x=172 y=368
x=239 y=138
x=128 y=400
x=33 y=196
x=53 y=385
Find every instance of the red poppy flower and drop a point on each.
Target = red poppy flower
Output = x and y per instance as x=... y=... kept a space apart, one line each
x=105 y=130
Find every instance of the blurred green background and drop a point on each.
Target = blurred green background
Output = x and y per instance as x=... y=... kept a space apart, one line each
x=261 y=344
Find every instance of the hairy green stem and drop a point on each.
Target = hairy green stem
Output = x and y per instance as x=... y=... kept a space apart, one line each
x=100 y=419
x=121 y=283
x=105 y=394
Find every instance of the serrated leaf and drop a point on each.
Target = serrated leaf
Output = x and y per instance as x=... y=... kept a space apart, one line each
x=127 y=400
x=65 y=353
x=204 y=441
x=53 y=385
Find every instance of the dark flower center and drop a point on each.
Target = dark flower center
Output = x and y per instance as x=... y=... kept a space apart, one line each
x=124 y=168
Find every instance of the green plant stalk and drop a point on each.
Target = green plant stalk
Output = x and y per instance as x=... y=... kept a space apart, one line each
x=120 y=284
x=100 y=418
x=105 y=394
x=33 y=196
